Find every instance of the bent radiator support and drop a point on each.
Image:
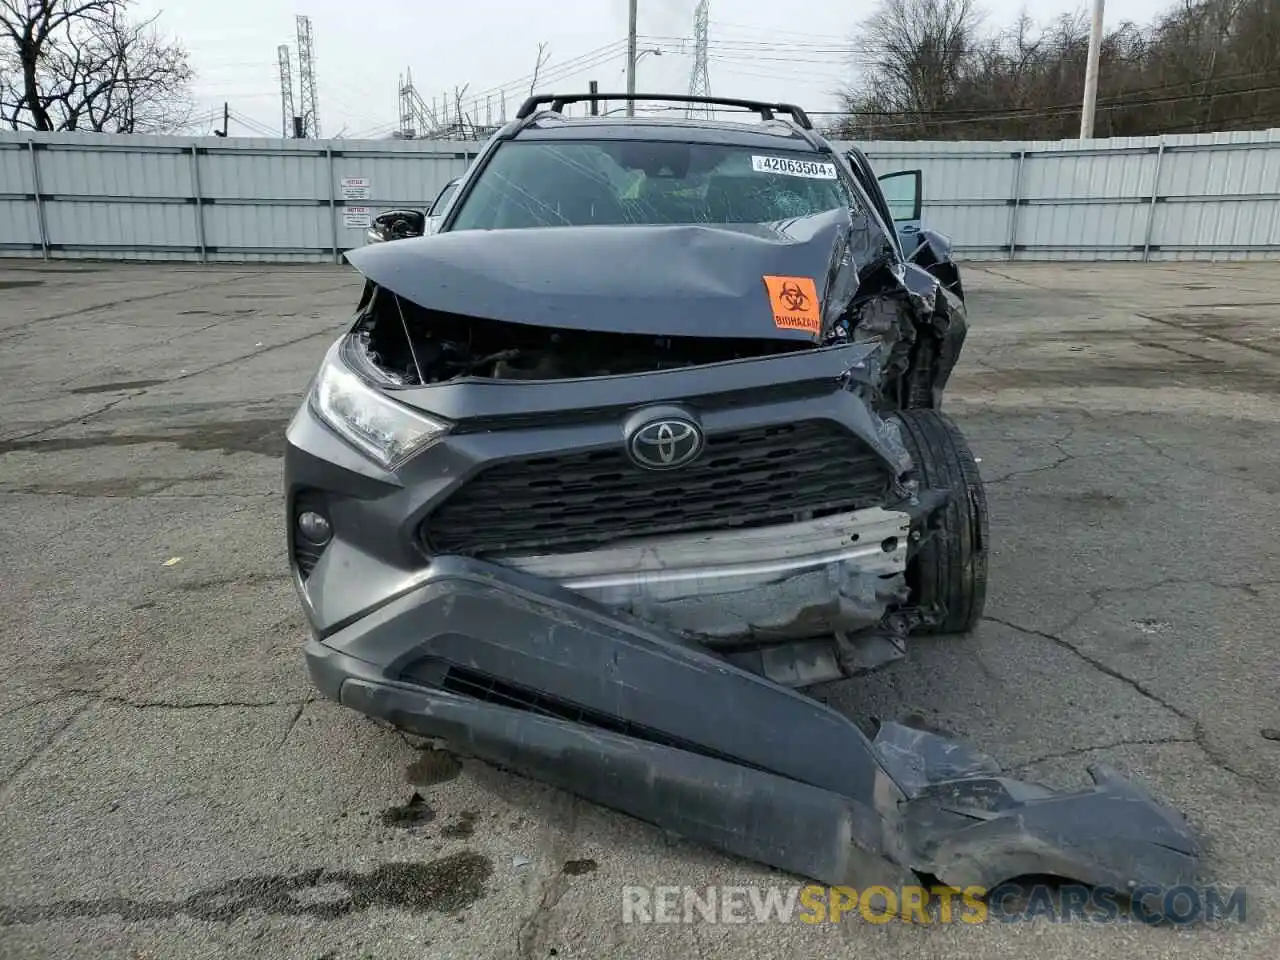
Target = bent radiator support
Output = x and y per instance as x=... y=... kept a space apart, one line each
x=620 y=712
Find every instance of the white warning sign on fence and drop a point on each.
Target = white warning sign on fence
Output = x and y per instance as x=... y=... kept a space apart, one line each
x=356 y=216
x=356 y=188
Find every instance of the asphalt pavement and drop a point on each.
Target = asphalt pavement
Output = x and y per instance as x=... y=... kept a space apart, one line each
x=170 y=789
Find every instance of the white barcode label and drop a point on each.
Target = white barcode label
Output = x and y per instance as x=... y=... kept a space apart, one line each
x=813 y=169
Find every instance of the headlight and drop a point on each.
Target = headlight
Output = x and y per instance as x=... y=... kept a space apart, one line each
x=387 y=431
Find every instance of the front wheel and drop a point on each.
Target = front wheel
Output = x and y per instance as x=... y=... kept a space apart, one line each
x=948 y=574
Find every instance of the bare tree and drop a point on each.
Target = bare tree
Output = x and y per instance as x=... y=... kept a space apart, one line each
x=543 y=56
x=84 y=65
x=920 y=48
x=1203 y=65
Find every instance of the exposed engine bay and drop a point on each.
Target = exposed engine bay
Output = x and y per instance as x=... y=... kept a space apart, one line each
x=415 y=346
x=410 y=345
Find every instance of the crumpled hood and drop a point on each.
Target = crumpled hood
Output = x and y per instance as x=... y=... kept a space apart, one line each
x=683 y=280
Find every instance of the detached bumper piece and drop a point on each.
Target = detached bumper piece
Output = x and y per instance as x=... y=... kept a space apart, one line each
x=537 y=679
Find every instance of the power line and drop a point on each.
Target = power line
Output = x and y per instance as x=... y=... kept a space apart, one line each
x=1029 y=113
x=572 y=67
x=770 y=31
x=808 y=76
x=1121 y=99
x=747 y=46
x=609 y=51
x=246 y=121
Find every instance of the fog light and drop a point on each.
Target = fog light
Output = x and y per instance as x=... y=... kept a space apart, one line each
x=314 y=527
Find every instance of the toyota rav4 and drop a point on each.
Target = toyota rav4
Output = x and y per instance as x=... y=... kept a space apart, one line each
x=647 y=436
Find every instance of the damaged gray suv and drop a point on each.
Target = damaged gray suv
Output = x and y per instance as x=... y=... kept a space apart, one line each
x=646 y=438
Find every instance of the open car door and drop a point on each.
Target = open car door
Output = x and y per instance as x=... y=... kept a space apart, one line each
x=902 y=192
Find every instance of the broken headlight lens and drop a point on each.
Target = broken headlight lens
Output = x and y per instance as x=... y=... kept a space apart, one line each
x=387 y=431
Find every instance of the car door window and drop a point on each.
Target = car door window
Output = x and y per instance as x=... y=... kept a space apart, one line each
x=442 y=200
x=902 y=193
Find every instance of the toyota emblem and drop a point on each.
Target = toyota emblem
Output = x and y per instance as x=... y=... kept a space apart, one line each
x=665 y=444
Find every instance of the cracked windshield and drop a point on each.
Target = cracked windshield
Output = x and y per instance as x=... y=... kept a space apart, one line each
x=649 y=182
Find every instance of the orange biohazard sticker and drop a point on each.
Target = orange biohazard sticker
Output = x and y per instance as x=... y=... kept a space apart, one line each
x=795 y=303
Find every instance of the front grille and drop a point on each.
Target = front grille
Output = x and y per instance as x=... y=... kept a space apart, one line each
x=579 y=501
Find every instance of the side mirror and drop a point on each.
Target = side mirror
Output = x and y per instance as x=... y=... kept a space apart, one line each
x=903 y=191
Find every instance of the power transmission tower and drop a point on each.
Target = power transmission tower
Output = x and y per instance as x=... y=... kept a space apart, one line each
x=699 y=79
x=460 y=131
x=286 y=92
x=307 y=79
x=417 y=119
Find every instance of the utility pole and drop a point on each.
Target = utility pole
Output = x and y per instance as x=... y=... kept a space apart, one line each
x=226 y=120
x=595 y=104
x=1091 y=73
x=631 y=58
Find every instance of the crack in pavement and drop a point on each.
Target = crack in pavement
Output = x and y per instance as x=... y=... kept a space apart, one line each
x=1093 y=418
x=96 y=698
x=1246 y=586
x=1199 y=736
x=86 y=417
x=327 y=332
x=1201 y=331
x=1080 y=751
x=187 y=705
x=12 y=332
x=1157 y=345
x=77 y=495
x=61 y=733
x=1159 y=451
x=1005 y=276
x=79 y=418
x=1098 y=665
x=239 y=580
x=31 y=704
x=95 y=695
x=297 y=715
x=1056 y=443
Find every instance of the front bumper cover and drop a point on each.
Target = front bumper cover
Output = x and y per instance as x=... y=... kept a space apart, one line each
x=525 y=674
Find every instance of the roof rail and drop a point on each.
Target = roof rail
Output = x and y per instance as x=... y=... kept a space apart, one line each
x=558 y=102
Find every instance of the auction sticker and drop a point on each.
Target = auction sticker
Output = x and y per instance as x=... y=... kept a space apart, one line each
x=812 y=169
x=795 y=303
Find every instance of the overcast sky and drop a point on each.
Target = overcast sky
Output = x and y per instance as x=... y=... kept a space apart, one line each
x=778 y=49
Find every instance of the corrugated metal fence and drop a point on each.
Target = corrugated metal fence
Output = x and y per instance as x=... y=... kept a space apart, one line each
x=211 y=199
x=1183 y=197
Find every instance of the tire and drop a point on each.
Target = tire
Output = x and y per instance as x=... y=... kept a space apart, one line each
x=949 y=572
